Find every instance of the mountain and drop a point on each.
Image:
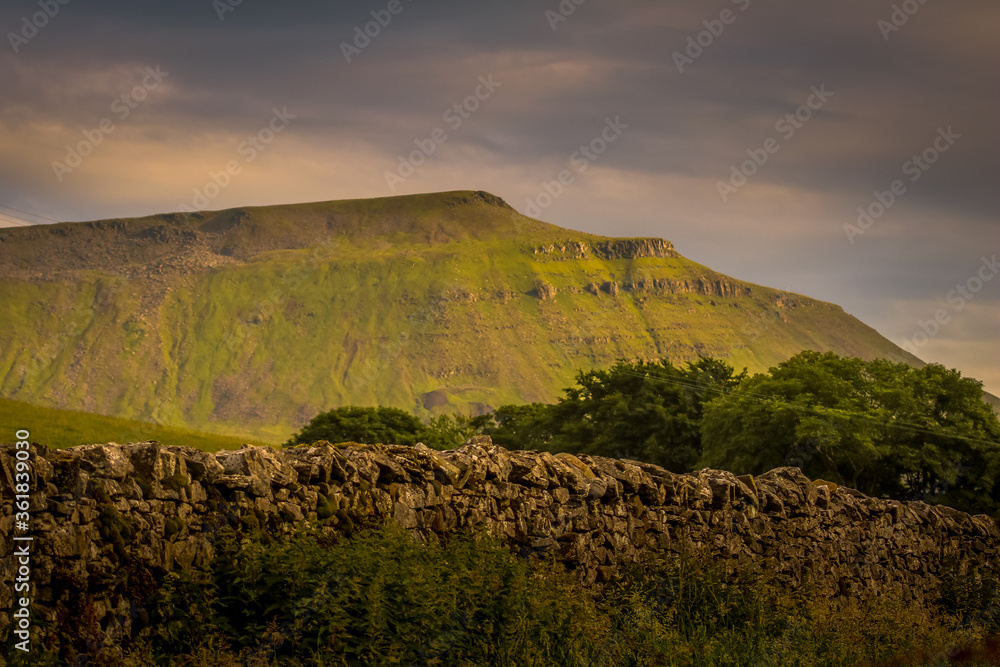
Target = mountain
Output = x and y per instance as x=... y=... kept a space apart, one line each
x=251 y=320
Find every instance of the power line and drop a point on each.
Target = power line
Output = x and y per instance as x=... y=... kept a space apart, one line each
x=35 y=215
x=15 y=221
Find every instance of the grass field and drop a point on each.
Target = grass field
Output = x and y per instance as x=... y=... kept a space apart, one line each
x=65 y=428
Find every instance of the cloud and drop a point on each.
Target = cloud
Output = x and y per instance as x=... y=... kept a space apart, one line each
x=686 y=130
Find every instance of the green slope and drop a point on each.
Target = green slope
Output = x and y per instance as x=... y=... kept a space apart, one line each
x=66 y=428
x=249 y=321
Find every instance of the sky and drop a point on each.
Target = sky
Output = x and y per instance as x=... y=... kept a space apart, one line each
x=748 y=133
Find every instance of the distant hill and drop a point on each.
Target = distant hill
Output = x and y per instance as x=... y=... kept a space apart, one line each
x=251 y=320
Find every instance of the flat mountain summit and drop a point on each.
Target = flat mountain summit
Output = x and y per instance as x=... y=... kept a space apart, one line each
x=186 y=242
x=251 y=320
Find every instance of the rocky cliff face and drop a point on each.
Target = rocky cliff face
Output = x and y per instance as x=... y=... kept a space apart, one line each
x=108 y=521
x=612 y=249
x=720 y=287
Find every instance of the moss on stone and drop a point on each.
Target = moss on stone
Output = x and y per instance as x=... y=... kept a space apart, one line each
x=115 y=527
x=101 y=494
x=326 y=506
x=172 y=526
x=145 y=485
x=250 y=522
x=833 y=486
x=351 y=445
x=176 y=482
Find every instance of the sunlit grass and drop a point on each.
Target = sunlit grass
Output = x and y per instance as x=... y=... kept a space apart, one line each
x=65 y=428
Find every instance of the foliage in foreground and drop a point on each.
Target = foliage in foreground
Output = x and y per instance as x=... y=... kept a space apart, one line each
x=382 y=598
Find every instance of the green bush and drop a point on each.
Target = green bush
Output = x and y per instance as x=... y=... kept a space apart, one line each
x=364 y=425
x=384 y=598
x=391 y=426
x=380 y=598
x=636 y=410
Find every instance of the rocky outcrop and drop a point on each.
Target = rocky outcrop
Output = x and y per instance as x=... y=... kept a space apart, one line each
x=633 y=249
x=718 y=287
x=108 y=521
x=612 y=249
x=544 y=291
x=664 y=286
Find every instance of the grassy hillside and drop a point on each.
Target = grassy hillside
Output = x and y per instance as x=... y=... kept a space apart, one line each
x=250 y=321
x=66 y=428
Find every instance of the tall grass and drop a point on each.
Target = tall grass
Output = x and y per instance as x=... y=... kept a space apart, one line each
x=383 y=598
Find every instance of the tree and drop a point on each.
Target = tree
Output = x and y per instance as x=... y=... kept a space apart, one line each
x=520 y=426
x=802 y=413
x=365 y=425
x=447 y=432
x=388 y=426
x=645 y=411
x=948 y=450
x=882 y=428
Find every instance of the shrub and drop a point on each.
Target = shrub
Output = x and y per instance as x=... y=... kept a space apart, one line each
x=364 y=425
x=382 y=597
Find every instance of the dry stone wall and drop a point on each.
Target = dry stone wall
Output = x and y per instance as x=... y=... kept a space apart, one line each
x=110 y=520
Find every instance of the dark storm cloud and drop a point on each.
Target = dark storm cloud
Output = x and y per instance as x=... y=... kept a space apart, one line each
x=608 y=59
x=758 y=70
x=890 y=97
